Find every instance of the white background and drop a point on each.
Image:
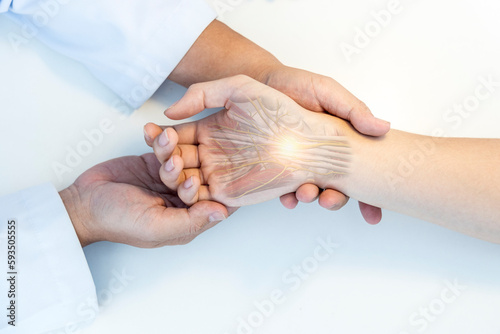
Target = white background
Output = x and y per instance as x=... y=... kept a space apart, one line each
x=424 y=61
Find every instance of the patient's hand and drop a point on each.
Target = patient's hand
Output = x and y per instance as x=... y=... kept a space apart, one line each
x=263 y=145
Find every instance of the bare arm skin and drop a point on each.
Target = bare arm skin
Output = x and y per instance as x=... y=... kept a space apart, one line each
x=453 y=182
x=221 y=52
x=264 y=145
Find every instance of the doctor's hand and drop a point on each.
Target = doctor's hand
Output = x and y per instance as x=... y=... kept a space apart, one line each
x=123 y=200
x=323 y=94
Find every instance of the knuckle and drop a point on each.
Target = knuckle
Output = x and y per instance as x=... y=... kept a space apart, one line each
x=195 y=228
x=194 y=87
x=363 y=108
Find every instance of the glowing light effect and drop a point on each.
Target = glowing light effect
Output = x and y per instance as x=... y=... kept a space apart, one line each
x=289 y=146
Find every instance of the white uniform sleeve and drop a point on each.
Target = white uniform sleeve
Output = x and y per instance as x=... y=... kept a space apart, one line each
x=45 y=282
x=131 y=46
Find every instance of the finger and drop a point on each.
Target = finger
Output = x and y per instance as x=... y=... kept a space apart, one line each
x=174 y=172
x=364 y=121
x=171 y=172
x=332 y=200
x=188 y=133
x=151 y=131
x=205 y=95
x=192 y=191
x=307 y=193
x=289 y=201
x=178 y=225
x=188 y=172
x=371 y=214
x=165 y=144
x=188 y=190
x=188 y=153
x=340 y=102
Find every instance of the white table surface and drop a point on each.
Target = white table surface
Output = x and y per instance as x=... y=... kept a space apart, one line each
x=390 y=278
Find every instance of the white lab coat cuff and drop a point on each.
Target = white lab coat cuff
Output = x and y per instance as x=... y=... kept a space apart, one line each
x=162 y=52
x=54 y=287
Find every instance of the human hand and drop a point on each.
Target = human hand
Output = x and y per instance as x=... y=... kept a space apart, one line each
x=123 y=200
x=261 y=146
x=323 y=94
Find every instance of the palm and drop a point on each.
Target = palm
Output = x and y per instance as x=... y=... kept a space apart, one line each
x=309 y=90
x=263 y=148
x=127 y=203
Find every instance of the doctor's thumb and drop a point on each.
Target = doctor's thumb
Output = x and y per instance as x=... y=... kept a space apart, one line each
x=205 y=215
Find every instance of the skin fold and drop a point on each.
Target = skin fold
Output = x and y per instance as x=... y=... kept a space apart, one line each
x=263 y=145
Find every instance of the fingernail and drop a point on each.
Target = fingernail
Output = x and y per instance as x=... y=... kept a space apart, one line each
x=189 y=183
x=169 y=166
x=384 y=121
x=164 y=140
x=216 y=217
x=146 y=136
x=334 y=207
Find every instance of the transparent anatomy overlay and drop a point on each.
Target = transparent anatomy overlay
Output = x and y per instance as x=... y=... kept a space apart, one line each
x=262 y=148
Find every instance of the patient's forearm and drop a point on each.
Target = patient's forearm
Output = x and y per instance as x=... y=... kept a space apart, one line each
x=454 y=182
x=260 y=149
x=264 y=145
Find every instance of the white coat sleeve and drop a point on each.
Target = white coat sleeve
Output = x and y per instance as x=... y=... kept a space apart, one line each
x=131 y=46
x=45 y=281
